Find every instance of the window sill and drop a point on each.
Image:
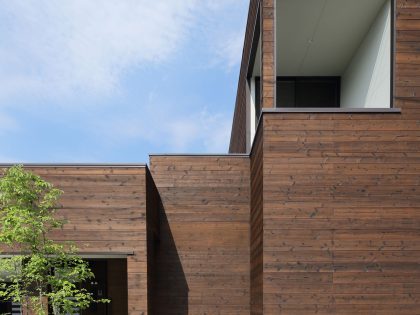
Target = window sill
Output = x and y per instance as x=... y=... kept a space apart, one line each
x=334 y=110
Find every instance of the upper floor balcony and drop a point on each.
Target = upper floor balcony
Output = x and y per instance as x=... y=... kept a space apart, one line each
x=321 y=54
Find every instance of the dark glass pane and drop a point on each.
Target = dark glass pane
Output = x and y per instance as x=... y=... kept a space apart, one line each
x=286 y=93
x=316 y=93
x=257 y=98
x=5 y=307
x=308 y=92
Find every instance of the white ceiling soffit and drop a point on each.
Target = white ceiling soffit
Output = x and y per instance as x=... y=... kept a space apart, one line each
x=319 y=37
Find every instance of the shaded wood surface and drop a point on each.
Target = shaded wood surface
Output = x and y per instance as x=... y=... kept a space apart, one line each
x=256 y=225
x=203 y=256
x=106 y=212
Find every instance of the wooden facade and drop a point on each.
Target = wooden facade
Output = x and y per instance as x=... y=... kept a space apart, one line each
x=340 y=199
x=203 y=256
x=239 y=125
x=105 y=207
x=268 y=56
x=322 y=216
x=257 y=225
x=340 y=213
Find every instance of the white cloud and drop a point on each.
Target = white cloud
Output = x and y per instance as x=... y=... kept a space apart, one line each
x=229 y=48
x=63 y=46
x=66 y=47
x=205 y=131
x=69 y=49
x=224 y=31
x=210 y=131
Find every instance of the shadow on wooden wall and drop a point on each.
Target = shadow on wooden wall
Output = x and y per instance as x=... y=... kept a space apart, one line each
x=170 y=285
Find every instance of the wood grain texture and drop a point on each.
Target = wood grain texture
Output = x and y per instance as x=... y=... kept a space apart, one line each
x=341 y=207
x=256 y=224
x=238 y=134
x=341 y=233
x=322 y=218
x=407 y=44
x=268 y=56
x=153 y=209
x=105 y=209
x=203 y=255
x=341 y=201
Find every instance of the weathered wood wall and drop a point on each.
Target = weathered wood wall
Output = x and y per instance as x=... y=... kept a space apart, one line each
x=238 y=135
x=203 y=255
x=268 y=56
x=407 y=59
x=256 y=225
x=117 y=286
x=106 y=212
x=323 y=218
x=153 y=210
x=267 y=19
x=341 y=201
x=341 y=213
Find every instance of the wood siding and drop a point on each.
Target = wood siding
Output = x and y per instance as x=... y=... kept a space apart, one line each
x=153 y=210
x=322 y=218
x=407 y=58
x=106 y=212
x=238 y=140
x=238 y=135
x=268 y=62
x=341 y=201
x=203 y=255
x=256 y=225
x=341 y=205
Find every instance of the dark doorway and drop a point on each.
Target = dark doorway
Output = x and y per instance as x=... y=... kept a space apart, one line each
x=308 y=92
x=111 y=283
x=5 y=307
x=97 y=287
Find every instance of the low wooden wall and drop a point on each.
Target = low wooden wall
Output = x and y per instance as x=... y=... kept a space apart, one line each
x=203 y=256
x=106 y=212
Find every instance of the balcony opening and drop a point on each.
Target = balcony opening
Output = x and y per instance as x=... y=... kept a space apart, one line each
x=334 y=53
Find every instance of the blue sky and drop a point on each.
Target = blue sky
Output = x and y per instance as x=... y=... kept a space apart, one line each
x=114 y=80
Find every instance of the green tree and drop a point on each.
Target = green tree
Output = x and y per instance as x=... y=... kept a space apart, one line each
x=34 y=269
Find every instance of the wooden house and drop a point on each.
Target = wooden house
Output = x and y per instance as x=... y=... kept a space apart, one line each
x=316 y=207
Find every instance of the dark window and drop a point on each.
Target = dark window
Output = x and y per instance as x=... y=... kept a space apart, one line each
x=308 y=92
x=257 y=98
x=5 y=307
x=286 y=93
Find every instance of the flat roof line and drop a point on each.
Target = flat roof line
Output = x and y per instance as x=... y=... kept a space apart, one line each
x=80 y=253
x=199 y=155
x=115 y=165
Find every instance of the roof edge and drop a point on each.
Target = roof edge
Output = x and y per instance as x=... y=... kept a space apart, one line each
x=201 y=155
x=81 y=165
